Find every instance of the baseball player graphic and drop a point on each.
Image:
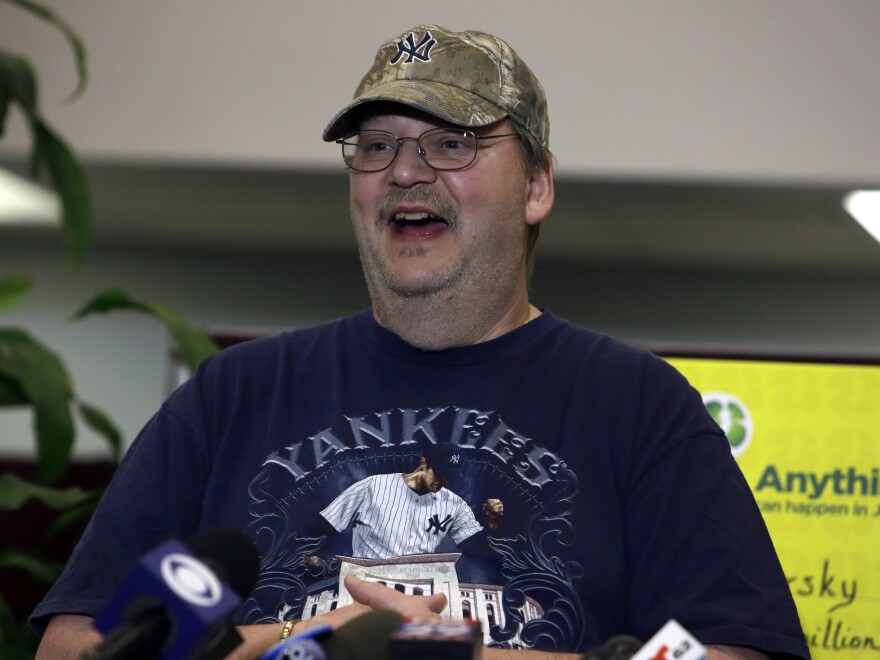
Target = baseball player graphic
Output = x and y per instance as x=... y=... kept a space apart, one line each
x=411 y=513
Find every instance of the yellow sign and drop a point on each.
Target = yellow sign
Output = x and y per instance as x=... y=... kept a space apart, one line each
x=807 y=438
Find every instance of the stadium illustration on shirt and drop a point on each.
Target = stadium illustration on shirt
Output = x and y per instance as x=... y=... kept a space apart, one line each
x=438 y=527
x=398 y=521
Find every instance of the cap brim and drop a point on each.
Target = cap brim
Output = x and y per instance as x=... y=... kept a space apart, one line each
x=453 y=104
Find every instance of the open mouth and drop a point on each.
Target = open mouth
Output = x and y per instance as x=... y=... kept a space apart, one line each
x=418 y=223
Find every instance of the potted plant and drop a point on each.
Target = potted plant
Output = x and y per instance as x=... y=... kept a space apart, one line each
x=32 y=374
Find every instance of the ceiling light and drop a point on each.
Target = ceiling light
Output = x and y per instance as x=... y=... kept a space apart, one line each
x=864 y=206
x=25 y=203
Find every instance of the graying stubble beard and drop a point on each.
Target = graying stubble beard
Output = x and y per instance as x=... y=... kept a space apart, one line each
x=415 y=195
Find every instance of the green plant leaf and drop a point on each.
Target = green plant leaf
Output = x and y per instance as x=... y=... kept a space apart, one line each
x=69 y=180
x=17 y=83
x=99 y=422
x=39 y=374
x=19 y=80
x=15 y=491
x=108 y=301
x=13 y=288
x=194 y=344
x=79 y=51
x=5 y=98
x=39 y=569
x=10 y=393
x=39 y=157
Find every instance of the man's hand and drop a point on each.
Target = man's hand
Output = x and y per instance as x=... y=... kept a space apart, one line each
x=734 y=653
x=368 y=596
x=379 y=597
x=67 y=637
x=494 y=510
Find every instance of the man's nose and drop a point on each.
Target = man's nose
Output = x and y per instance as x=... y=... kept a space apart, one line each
x=409 y=166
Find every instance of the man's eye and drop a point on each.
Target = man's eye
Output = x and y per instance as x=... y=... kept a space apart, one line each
x=453 y=144
x=376 y=146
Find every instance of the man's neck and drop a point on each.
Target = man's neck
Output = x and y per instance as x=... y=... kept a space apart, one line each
x=415 y=482
x=438 y=322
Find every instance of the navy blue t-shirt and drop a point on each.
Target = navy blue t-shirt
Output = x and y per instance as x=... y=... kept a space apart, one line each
x=622 y=504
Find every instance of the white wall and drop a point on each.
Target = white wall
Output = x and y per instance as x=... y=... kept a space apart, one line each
x=743 y=89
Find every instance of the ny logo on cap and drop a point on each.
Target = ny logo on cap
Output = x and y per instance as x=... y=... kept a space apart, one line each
x=455 y=458
x=415 y=51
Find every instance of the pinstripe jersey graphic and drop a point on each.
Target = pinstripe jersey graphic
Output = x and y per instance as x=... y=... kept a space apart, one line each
x=390 y=519
x=483 y=517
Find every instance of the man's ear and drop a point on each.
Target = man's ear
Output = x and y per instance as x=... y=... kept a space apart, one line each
x=541 y=194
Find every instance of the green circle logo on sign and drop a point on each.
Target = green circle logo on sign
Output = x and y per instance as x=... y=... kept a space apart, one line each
x=733 y=417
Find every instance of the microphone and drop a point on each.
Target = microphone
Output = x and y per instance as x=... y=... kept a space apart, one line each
x=619 y=647
x=386 y=635
x=383 y=635
x=365 y=636
x=436 y=639
x=177 y=602
x=671 y=642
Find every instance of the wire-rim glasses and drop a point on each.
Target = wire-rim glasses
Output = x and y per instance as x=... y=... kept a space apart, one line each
x=442 y=148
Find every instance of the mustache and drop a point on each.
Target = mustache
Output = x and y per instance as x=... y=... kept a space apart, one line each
x=417 y=195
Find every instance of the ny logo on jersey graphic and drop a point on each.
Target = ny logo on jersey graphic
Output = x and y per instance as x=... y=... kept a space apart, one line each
x=435 y=525
x=415 y=51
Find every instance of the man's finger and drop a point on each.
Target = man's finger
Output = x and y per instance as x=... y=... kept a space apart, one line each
x=379 y=596
x=362 y=592
x=436 y=602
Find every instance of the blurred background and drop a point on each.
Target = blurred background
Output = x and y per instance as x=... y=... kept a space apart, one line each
x=703 y=151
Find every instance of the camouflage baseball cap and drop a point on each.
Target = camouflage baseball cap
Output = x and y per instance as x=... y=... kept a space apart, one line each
x=467 y=78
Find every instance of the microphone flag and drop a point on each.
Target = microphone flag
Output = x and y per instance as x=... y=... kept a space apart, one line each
x=671 y=642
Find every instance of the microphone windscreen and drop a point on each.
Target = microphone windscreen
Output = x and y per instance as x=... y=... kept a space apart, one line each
x=231 y=555
x=180 y=599
x=620 y=647
x=365 y=637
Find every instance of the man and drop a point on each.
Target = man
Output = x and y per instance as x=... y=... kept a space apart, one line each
x=623 y=506
x=406 y=514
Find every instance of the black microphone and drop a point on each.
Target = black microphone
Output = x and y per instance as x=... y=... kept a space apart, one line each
x=364 y=637
x=620 y=647
x=386 y=635
x=178 y=600
x=671 y=642
x=383 y=635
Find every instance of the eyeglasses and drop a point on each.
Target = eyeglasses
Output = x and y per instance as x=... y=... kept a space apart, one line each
x=441 y=148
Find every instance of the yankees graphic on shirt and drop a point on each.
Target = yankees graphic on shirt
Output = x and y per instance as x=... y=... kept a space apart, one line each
x=405 y=514
x=421 y=517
